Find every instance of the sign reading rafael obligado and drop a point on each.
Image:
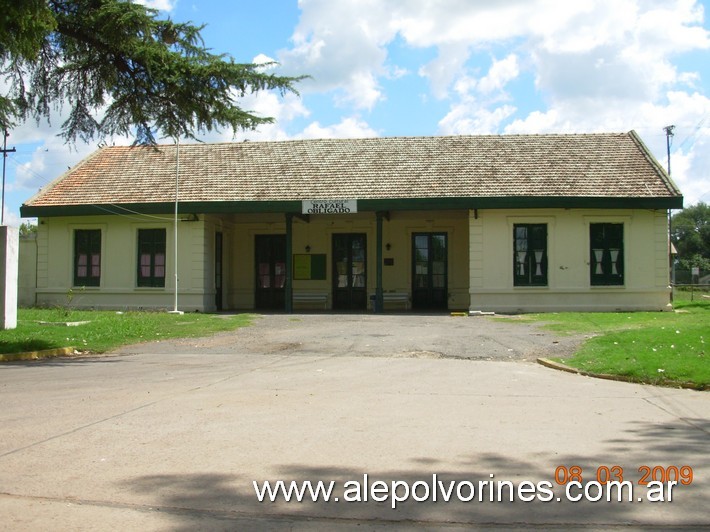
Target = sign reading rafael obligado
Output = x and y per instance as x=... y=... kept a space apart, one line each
x=329 y=206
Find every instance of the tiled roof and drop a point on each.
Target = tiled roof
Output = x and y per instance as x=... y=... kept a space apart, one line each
x=588 y=165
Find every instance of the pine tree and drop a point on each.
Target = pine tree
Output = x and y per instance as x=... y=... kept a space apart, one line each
x=121 y=70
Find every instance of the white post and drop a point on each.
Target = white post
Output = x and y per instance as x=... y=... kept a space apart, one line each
x=175 y=222
x=9 y=256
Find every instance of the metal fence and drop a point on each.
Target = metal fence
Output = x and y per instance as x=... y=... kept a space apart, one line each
x=696 y=276
x=691 y=284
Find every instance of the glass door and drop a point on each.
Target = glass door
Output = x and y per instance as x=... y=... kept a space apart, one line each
x=429 y=271
x=350 y=271
x=270 y=253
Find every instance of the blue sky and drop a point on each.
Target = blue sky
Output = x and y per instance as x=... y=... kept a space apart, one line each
x=448 y=67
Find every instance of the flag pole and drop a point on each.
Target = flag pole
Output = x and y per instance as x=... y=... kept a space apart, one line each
x=175 y=223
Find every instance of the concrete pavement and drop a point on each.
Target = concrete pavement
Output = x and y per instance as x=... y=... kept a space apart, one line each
x=171 y=436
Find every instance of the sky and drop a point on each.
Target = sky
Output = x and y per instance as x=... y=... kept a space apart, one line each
x=446 y=67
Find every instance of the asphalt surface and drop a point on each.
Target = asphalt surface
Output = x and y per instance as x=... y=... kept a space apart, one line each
x=384 y=335
x=171 y=435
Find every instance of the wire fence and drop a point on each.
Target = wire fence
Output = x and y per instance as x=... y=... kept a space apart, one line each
x=691 y=284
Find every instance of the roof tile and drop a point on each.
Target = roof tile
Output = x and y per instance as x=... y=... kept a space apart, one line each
x=587 y=165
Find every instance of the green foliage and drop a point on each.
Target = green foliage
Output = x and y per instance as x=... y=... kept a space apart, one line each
x=695 y=261
x=121 y=70
x=27 y=229
x=107 y=330
x=23 y=27
x=691 y=235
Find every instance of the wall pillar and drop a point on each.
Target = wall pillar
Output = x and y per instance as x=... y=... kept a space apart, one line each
x=9 y=257
x=379 y=299
x=288 y=288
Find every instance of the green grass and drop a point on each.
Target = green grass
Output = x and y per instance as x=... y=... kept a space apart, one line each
x=663 y=348
x=107 y=330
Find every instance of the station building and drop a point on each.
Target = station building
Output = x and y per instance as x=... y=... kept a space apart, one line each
x=513 y=223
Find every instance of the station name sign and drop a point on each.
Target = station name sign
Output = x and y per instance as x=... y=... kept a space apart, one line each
x=329 y=206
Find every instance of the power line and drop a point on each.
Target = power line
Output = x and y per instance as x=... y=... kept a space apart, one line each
x=694 y=132
x=96 y=205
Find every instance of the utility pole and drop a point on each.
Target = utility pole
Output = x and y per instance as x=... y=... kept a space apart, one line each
x=5 y=151
x=669 y=136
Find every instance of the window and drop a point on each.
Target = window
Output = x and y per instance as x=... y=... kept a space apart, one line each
x=606 y=254
x=530 y=255
x=151 y=257
x=87 y=257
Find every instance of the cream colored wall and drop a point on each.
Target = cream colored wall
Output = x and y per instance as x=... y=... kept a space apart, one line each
x=480 y=253
x=119 y=249
x=205 y=255
x=318 y=235
x=645 y=262
x=27 y=272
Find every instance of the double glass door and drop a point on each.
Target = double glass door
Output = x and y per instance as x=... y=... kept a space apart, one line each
x=270 y=252
x=350 y=271
x=429 y=275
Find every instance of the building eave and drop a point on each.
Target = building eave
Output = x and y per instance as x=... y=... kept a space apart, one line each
x=364 y=205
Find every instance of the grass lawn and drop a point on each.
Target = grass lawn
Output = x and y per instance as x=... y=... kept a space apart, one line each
x=666 y=348
x=107 y=330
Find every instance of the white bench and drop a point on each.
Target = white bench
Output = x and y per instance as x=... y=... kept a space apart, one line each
x=394 y=297
x=311 y=297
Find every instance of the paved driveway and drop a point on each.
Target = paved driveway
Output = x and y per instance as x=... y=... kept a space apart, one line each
x=171 y=435
x=388 y=335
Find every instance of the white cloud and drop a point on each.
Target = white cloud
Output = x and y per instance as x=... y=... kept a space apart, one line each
x=500 y=74
x=443 y=70
x=341 y=45
x=263 y=59
x=11 y=219
x=468 y=119
x=161 y=5
x=344 y=44
x=351 y=127
x=508 y=66
x=690 y=154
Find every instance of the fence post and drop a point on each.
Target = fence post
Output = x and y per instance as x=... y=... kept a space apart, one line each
x=9 y=256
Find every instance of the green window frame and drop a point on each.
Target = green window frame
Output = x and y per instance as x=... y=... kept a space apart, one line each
x=87 y=257
x=530 y=255
x=606 y=254
x=151 y=258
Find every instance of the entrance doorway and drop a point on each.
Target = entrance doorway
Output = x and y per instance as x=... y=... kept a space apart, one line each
x=429 y=271
x=270 y=254
x=350 y=271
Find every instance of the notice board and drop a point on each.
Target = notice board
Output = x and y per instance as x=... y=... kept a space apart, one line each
x=309 y=267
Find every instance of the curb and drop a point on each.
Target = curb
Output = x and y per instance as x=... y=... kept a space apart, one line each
x=569 y=369
x=36 y=355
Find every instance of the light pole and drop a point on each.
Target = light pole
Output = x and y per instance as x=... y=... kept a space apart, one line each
x=669 y=135
x=5 y=151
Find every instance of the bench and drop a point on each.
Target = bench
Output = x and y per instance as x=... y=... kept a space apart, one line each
x=311 y=297
x=394 y=297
